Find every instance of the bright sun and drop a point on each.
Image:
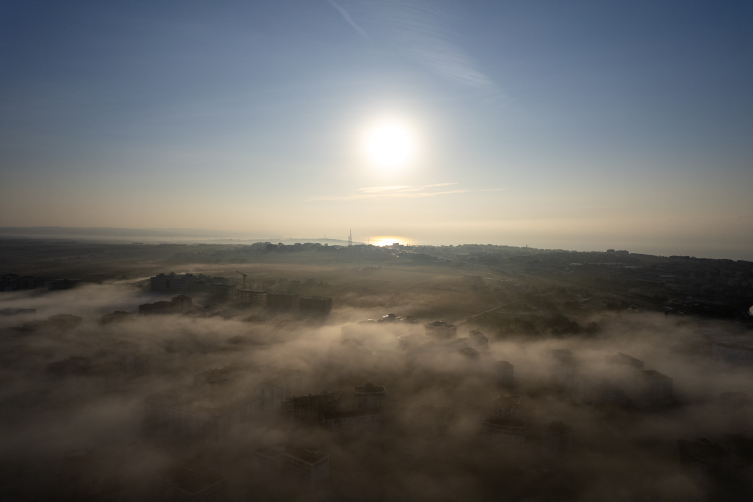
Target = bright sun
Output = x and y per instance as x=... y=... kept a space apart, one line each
x=389 y=144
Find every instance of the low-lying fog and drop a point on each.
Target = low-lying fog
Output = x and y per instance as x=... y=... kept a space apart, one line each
x=619 y=452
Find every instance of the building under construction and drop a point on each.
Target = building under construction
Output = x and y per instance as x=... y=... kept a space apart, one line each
x=253 y=297
x=315 y=304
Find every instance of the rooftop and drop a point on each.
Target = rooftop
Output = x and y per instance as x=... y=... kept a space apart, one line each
x=315 y=398
x=369 y=388
x=625 y=359
x=654 y=375
x=440 y=324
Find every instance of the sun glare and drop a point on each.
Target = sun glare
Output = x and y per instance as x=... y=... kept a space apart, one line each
x=389 y=144
x=385 y=240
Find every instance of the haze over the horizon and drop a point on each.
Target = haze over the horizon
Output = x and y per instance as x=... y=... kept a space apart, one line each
x=580 y=125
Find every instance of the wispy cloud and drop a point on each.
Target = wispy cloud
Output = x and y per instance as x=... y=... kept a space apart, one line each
x=346 y=16
x=422 y=29
x=402 y=191
x=383 y=189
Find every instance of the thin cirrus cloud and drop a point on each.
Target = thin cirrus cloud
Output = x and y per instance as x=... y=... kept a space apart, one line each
x=344 y=13
x=403 y=191
x=420 y=29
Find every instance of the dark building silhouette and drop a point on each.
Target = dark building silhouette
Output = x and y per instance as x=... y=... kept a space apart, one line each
x=253 y=297
x=117 y=316
x=556 y=438
x=479 y=341
x=315 y=304
x=655 y=388
x=15 y=282
x=353 y=421
x=190 y=480
x=503 y=372
x=222 y=293
x=178 y=305
x=221 y=401
x=369 y=397
x=625 y=360
x=182 y=303
x=282 y=301
x=293 y=464
x=440 y=330
x=505 y=433
x=311 y=408
x=505 y=407
x=61 y=284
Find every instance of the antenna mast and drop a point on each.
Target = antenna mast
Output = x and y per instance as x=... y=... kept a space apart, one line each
x=350 y=238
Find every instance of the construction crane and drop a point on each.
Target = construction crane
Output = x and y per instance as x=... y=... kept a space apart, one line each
x=244 y=279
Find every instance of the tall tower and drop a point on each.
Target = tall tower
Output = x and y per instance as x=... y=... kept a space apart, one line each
x=350 y=238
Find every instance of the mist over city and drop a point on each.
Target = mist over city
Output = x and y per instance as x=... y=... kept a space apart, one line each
x=376 y=250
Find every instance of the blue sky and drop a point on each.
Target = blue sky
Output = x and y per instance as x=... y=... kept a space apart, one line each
x=578 y=125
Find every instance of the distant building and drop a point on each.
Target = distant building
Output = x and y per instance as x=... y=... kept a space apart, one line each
x=430 y=419
x=505 y=407
x=564 y=368
x=15 y=282
x=162 y=307
x=625 y=360
x=706 y=457
x=169 y=283
x=253 y=297
x=61 y=284
x=77 y=376
x=655 y=388
x=16 y=311
x=178 y=304
x=192 y=481
x=556 y=438
x=220 y=401
x=60 y=322
x=182 y=303
x=117 y=316
x=737 y=408
x=732 y=353
x=182 y=283
x=504 y=374
x=369 y=397
x=311 y=408
x=505 y=433
x=222 y=292
x=80 y=476
x=315 y=304
x=124 y=360
x=293 y=464
x=354 y=421
x=440 y=330
x=596 y=390
x=282 y=301
x=478 y=340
